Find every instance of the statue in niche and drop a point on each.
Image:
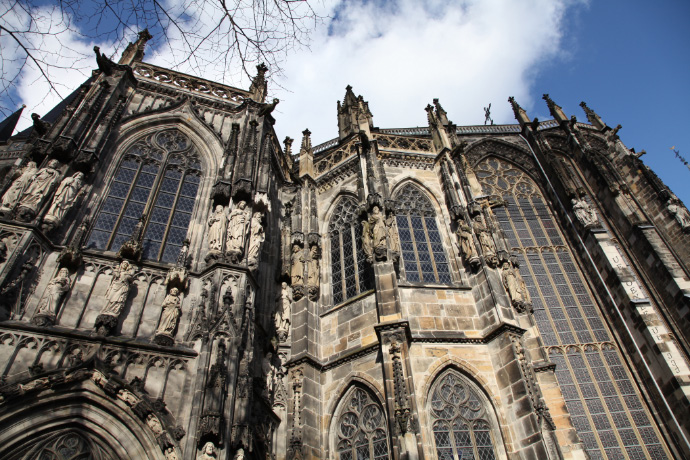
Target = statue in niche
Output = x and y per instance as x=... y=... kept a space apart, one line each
x=374 y=233
x=392 y=231
x=238 y=222
x=313 y=272
x=115 y=296
x=258 y=237
x=47 y=309
x=269 y=371
x=64 y=199
x=465 y=241
x=516 y=287
x=486 y=241
x=37 y=190
x=216 y=231
x=16 y=190
x=681 y=215
x=282 y=318
x=208 y=452
x=239 y=455
x=584 y=212
x=297 y=265
x=169 y=317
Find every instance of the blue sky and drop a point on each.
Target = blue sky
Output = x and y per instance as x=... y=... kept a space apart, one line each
x=628 y=60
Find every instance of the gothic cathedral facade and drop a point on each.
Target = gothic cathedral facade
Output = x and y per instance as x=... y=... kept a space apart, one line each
x=175 y=283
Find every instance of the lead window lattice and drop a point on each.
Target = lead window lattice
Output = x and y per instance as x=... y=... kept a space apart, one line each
x=158 y=177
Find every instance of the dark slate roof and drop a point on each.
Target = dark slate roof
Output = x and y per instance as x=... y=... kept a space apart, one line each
x=55 y=112
x=8 y=124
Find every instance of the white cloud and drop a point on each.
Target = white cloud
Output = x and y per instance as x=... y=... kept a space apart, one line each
x=399 y=55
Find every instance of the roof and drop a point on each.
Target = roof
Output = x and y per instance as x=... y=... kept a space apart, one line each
x=8 y=124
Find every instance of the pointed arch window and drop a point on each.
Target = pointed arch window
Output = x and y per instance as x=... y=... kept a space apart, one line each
x=605 y=405
x=351 y=274
x=459 y=420
x=424 y=259
x=361 y=432
x=158 y=178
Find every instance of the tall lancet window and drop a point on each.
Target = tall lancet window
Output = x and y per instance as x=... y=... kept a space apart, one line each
x=158 y=178
x=420 y=241
x=459 y=419
x=350 y=271
x=600 y=393
x=361 y=432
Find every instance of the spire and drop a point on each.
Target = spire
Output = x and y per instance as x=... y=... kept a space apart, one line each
x=8 y=124
x=520 y=114
x=592 y=116
x=306 y=155
x=555 y=109
x=135 y=51
x=353 y=115
x=440 y=113
x=259 y=86
x=437 y=125
x=288 y=145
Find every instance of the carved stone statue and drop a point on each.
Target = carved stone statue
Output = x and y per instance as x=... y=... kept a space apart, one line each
x=238 y=222
x=283 y=311
x=393 y=236
x=269 y=371
x=313 y=273
x=216 y=230
x=378 y=229
x=681 y=215
x=48 y=307
x=515 y=285
x=239 y=455
x=165 y=334
x=486 y=241
x=38 y=189
x=465 y=241
x=64 y=199
x=16 y=190
x=374 y=233
x=208 y=452
x=116 y=296
x=584 y=212
x=258 y=237
x=297 y=265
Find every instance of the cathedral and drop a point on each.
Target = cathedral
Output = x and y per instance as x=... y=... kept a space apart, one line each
x=176 y=283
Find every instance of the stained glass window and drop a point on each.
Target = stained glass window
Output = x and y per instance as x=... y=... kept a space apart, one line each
x=158 y=177
x=605 y=405
x=424 y=259
x=361 y=427
x=459 y=421
x=351 y=274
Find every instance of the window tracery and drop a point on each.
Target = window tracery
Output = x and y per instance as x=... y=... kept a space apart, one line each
x=605 y=406
x=424 y=259
x=158 y=178
x=361 y=428
x=459 y=420
x=70 y=445
x=351 y=274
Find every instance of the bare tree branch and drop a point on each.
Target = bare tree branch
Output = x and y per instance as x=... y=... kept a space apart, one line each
x=220 y=39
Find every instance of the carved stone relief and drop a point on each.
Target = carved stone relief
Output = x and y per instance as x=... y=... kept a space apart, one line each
x=49 y=305
x=238 y=225
x=116 y=296
x=65 y=197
